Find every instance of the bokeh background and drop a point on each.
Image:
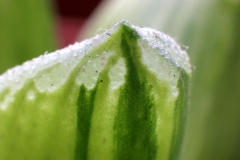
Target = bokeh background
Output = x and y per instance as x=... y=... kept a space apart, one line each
x=210 y=28
x=71 y=17
x=31 y=28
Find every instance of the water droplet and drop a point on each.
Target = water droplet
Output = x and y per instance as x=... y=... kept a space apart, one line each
x=183 y=47
x=45 y=53
x=100 y=30
x=31 y=95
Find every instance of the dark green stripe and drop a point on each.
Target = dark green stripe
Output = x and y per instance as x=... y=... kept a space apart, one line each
x=84 y=115
x=134 y=128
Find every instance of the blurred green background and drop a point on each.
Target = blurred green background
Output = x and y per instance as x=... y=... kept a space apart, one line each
x=211 y=29
x=30 y=28
x=26 y=31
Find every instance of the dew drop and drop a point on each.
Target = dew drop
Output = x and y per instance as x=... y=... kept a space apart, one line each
x=183 y=47
x=100 y=30
x=45 y=53
x=30 y=95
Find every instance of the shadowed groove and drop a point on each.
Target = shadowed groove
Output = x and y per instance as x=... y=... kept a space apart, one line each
x=179 y=116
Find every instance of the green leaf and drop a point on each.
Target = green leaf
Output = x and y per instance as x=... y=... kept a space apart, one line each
x=211 y=30
x=26 y=29
x=120 y=95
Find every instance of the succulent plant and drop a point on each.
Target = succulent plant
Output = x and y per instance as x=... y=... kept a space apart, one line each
x=119 y=95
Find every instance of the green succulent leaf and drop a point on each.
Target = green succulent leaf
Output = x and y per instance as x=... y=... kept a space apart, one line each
x=211 y=29
x=120 y=95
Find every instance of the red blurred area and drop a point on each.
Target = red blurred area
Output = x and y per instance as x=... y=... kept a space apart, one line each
x=71 y=15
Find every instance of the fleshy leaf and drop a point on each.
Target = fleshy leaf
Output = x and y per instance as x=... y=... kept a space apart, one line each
x=120 y=95
x=211 y=30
